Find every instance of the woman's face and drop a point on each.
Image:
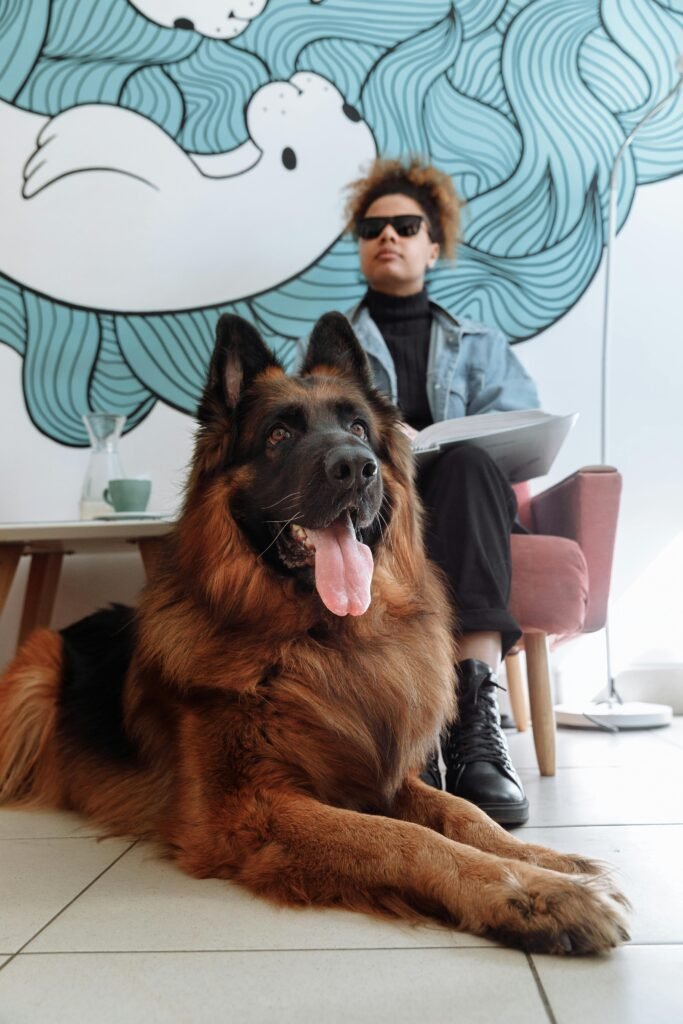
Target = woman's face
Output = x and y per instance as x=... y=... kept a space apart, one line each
x=389 y=263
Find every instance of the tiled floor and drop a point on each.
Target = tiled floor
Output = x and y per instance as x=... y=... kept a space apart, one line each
x=105 y=932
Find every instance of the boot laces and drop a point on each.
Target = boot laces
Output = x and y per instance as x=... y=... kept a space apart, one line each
x=477 y=735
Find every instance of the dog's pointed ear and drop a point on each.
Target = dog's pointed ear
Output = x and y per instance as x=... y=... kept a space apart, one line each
x=334 y=348
x=240 y=355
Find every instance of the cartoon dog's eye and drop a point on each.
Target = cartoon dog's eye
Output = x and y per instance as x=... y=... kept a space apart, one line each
x=351 y=112
x=278 y=434
x=359 y=429
x=289 y=158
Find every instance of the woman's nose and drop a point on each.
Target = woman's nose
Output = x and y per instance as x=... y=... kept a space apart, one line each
x=389 y=232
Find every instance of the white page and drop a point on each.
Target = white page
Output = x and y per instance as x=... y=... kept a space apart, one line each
x=524 y=442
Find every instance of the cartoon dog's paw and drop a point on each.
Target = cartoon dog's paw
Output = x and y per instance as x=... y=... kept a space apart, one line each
x=92 y=137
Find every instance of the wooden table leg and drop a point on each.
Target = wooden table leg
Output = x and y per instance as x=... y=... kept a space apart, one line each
x=149 y=552
x=41 y=589
x=9 y=559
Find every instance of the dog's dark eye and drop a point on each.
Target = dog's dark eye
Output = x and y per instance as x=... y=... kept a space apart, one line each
x=359 y=429
x=277 y=435
x=289 y=158
x=351 y=112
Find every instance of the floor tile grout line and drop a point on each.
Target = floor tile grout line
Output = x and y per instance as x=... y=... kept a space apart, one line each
x=541 y=990
x=531 y=772
x=306 y=949
x=67 y=905
x=44 y=839
x=269 y=949
x=603 y=824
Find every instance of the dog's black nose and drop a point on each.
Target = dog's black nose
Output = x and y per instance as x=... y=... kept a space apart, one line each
x=349 y=466
x=184 y=23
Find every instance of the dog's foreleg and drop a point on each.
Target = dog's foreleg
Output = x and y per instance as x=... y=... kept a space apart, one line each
x=463 y=822
x=293 y=849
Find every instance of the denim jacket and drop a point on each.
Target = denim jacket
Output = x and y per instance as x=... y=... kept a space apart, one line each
x=471 y=368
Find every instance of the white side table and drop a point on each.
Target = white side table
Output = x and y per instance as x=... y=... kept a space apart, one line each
x=47 y=543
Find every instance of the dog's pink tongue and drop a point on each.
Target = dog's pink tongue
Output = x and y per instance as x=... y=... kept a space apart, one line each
x=343 y=568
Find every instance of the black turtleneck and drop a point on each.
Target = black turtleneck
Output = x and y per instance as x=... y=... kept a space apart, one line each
x=405 y=324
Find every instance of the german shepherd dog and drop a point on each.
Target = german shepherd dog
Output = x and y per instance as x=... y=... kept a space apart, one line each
x=265 y=712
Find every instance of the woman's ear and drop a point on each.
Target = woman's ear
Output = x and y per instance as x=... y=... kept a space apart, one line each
x=434 y=253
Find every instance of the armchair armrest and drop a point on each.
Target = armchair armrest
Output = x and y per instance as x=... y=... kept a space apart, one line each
x=585 y=507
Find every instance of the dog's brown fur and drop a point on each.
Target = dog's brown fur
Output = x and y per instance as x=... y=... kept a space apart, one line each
x=275 y=743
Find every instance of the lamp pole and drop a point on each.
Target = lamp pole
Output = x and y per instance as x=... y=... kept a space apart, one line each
x=611 y=234
x=614 y=714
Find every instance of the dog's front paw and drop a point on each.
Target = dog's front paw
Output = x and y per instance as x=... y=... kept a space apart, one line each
x=548 y=912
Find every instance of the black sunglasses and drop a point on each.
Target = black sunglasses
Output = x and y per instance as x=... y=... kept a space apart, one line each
x=405 y=225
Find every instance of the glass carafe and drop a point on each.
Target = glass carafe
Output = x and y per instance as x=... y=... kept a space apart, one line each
x=104 y=464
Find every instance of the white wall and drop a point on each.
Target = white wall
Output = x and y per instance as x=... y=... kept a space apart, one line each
x=646 y=431
x=41 y=480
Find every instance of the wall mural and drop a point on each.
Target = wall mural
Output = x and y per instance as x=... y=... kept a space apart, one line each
x=162 y=162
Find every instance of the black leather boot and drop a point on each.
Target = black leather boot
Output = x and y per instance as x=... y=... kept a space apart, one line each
x=478 y=766
x=432 y=773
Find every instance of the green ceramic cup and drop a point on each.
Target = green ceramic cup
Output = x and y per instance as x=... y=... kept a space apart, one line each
x=128 y=495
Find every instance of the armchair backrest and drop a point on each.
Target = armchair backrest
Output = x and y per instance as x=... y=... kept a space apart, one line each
x=585 y=508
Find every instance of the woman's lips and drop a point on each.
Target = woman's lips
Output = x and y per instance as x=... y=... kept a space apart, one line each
x=387 y=254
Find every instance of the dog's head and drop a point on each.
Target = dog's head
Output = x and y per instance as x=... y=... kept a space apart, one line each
x=314 y=465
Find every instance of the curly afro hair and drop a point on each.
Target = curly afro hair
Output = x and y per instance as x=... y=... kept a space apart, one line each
x=432 y=189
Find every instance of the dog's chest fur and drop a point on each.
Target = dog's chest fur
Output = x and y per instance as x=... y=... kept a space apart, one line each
x=354 y=734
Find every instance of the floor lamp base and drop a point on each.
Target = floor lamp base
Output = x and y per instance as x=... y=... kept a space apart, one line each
x=612 y=716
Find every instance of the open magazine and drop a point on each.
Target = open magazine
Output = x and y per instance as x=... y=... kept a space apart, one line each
x=523 y=443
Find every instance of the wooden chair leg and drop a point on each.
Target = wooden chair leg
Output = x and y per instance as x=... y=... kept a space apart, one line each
x=41 y=589
x=517 y=691
x=540 y=698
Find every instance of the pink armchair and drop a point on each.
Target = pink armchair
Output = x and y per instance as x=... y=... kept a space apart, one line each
x=560 y=585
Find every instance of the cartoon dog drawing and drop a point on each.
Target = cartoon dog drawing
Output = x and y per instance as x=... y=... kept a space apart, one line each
x=102 y=209
x=212 y=18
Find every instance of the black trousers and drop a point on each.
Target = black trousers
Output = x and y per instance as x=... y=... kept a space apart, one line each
x=470 y=513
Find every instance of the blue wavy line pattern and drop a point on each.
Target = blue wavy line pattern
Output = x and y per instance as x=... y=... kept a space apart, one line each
x=12 y=316
x=216 y=82
x=523 y=102
x=152 y=92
